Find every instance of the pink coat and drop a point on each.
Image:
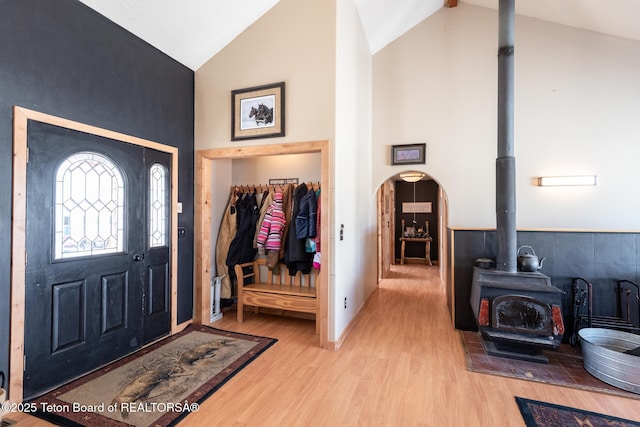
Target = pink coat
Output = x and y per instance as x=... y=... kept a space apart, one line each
x=272 y=228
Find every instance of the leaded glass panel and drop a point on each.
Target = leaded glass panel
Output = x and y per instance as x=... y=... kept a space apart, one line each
x=157 y=206
x=89 y=211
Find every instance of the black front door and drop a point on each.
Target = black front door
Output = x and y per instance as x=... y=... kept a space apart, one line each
x=97 y=239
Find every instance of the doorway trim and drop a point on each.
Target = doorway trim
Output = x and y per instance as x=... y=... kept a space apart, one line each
x=203 y=218
x=21 y=116
x=443 y=225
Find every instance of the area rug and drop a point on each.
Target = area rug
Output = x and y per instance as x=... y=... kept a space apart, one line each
x=542 y=414
x=156 y=386
x=565 y=367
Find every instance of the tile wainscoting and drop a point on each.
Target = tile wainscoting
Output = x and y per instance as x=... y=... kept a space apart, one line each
x=601 y=257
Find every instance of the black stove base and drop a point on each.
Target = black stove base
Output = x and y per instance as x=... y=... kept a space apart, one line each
x=514 y=351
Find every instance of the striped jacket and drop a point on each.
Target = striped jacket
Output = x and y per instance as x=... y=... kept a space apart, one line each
x=272 y=228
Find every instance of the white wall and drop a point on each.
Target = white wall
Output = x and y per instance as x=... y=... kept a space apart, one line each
x=293 y=42
x=577 y=106
x=354 y=198
x=259 y=170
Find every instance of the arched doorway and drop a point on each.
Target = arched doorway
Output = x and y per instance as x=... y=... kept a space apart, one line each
x=429 y=205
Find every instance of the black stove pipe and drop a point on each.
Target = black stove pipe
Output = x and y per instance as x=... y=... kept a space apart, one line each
x=506 y=162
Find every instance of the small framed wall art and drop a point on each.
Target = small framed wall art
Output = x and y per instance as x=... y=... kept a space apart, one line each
x=408 y=154
x=257 y=112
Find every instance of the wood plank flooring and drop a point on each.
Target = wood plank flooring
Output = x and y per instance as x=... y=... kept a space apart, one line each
x=402 y=365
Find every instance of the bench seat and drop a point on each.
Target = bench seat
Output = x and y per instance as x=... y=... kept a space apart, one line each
x=275 y=291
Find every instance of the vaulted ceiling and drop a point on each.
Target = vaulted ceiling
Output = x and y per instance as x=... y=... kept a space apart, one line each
x=192 y=31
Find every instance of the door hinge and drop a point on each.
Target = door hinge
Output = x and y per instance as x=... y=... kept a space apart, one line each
x=24 y=363
x=27 y=154
x=26 y=254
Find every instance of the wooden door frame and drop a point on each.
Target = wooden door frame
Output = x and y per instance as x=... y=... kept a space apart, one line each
x=443 y=224
x=203 y=215
x=21 y=116
x=386 y=247
x=379 y=231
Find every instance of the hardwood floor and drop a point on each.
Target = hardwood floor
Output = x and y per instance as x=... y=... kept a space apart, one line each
x=402 y=365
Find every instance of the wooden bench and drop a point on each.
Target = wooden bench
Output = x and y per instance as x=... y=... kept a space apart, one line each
x=276 y=291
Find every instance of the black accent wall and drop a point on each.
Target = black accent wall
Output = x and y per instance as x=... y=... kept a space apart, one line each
x=426 y=191
x=62 y=58
x=599 y=257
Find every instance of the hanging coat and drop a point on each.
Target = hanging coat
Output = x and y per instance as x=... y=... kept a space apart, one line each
x=241 y=249
x=267 y=199
x=295 y=255
x=226 y=234
x=318 y=216
x=272 y=228
x=287 y=207
x=306 y=217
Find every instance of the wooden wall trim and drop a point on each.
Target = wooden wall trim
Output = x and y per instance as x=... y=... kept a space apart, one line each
x=18 y=256
x=202 y=231
x=451 y=278
x=203 y=215
x=18 y=234
x=263 y=150
x=553 y=230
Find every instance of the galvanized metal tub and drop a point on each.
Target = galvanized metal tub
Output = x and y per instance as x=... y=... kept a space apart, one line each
x=603 y=351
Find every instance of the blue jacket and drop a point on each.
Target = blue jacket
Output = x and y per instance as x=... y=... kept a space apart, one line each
x=306 y=218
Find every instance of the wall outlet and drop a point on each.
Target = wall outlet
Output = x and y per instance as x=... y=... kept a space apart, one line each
x=345 y=303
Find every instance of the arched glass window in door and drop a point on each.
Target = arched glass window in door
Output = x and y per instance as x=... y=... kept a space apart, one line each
x=89 y=206
x=157 y=206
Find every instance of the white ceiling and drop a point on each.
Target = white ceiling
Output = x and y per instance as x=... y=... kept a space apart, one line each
x=192 y=31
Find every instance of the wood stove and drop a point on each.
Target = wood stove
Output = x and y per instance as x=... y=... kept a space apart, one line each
x=518 y=314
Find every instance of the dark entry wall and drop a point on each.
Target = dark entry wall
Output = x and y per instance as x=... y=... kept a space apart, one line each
x=62 y=58
x=426 y=191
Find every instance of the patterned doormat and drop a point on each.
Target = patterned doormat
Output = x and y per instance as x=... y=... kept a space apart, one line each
x=542 y=414
x=565 y=367
x=158 y=385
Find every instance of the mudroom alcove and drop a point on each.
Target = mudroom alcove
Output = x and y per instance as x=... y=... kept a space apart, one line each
x=214 y=175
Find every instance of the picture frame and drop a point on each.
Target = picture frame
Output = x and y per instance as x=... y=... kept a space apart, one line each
x=408 y=154
x=258 y=112
x=283 y=181
x=416 y=207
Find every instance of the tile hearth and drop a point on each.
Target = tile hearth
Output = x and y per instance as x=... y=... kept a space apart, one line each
x=565 y=367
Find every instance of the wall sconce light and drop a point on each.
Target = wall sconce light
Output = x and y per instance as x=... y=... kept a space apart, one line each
x=548 y=181
x=412 y=176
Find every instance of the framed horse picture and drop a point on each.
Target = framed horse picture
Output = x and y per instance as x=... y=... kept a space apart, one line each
x=257 y=112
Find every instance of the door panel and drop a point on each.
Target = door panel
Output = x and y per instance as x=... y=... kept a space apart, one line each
x=157 y=289
x=114 y=303
x=84 y=294
x=68 y=315
x=157 y=319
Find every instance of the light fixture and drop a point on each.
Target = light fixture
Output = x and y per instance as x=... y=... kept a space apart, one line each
x=413 y=176
x=548 y=181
